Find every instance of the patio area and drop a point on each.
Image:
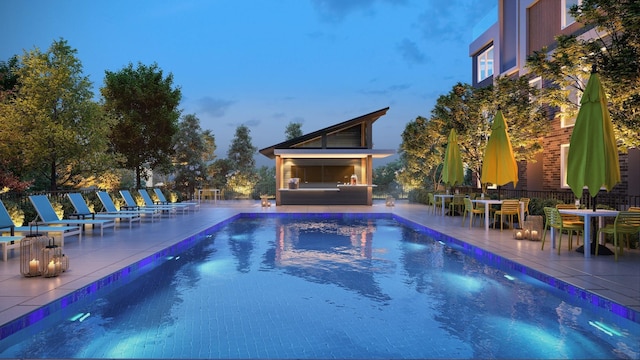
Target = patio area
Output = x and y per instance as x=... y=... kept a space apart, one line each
x=98 y=256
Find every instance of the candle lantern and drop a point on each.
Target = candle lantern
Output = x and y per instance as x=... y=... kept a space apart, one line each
x=264 y=201
x=64 y=261
x=391 y=201
x=536 y=225
x=31 y=254
x=51 y=263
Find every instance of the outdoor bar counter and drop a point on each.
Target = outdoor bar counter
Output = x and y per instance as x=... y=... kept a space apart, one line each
x=339 y=195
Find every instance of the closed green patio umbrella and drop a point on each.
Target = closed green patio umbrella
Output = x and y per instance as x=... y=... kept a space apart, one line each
x=593 y=154
x=499 y=166
x=452 y=170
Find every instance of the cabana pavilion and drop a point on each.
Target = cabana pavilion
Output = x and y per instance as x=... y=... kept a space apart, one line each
x=331 y=166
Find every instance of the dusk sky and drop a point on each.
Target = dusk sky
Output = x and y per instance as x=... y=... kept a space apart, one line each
x=266 y=63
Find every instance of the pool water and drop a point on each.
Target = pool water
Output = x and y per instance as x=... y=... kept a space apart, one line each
x=327 y=287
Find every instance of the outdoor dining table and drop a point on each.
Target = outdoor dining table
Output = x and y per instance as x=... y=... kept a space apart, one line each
x=488 y=202
x=443 y=197
x=587 y=214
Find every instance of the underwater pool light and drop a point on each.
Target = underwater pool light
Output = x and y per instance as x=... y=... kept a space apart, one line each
x=84 y=317
x=604 y=328
x=76 y=317
x=509 y=277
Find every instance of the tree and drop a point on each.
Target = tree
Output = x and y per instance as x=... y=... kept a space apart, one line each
x=193 y=149
x=8 y=76
x=146 y=106
x=615 y=52
x=293 y=130
x=241 y=150
x=525 y=113
x=421 y=153
x=462 y=109
x=385 y=178
x=266 y=183
x=62 y=131
x=217 y=173
x=240 y=155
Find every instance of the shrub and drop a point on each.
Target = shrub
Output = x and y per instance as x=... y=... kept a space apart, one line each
x=15 y=213
x=537 y=205
x=419 y=196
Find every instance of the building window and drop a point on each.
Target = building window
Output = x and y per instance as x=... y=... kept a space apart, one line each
x=570 y=112
x=485 y=64
x=567 y=19
x=535 y=83
x=564 y=156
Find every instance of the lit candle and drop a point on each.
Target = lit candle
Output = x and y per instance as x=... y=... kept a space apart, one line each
x=534 y=235
x=519 y=235
x=51 y=268
x=527 y=234
x=33 y=266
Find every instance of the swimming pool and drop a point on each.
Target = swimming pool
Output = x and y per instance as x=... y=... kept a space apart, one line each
x=325 y=286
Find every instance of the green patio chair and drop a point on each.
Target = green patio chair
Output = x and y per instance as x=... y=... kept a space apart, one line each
x=627 y=223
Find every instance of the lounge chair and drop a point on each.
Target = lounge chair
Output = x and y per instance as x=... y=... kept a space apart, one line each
x=83 y=211
x=12 y=240
x=110 y=207
x=48 y=215
x=149 y=202
x=132 y=205
x=163 y=200
x=9 y=242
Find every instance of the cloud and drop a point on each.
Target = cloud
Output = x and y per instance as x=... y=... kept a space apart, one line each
x=411 y=53
x=252 y=123
x=389 y=90
x=213 y=107
x=444 y=20
x=335 y=11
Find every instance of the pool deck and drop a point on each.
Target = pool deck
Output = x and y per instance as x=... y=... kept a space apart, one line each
x=96 y=257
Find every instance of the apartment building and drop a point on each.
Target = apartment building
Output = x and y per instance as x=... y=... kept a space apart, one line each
x=503 y=40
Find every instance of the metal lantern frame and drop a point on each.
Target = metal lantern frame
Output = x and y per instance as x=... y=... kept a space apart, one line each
x=31 y=254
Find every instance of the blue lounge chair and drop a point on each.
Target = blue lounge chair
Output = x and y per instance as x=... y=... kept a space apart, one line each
x=48 y=216
x=132 y=205
x=83 y=211
x=11 y=239
x=110 y=207
x=163 y=200
x=149 y=202
x=7 y=243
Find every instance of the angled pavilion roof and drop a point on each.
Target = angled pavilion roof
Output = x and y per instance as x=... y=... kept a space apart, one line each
x=292 y=147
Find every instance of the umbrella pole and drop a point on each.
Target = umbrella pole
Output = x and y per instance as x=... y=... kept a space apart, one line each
x=594 y=229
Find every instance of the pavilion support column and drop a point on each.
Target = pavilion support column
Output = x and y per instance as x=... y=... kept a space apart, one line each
x=279 y=179
x=369 y=174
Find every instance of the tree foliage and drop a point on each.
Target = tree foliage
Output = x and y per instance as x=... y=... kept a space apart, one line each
x=8 y=76
x=241 y=150
x=470 y=112
x=421 y=152
x=615 y=53
x=145 y=104
x=293 y=130
x=62 y=132
x=194 y=149
x=243 y=177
